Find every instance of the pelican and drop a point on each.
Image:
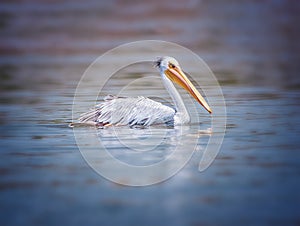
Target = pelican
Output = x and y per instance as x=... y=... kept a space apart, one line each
x=142 y=111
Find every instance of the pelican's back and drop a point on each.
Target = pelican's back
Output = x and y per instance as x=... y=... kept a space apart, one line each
x=129 y=111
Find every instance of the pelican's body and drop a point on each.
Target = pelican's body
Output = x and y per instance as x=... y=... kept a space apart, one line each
x=129 y=111
x=144 y=111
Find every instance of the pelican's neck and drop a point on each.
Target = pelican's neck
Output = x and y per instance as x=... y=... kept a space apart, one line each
x=182 y=116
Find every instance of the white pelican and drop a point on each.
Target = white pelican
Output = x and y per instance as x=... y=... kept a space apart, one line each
x=142 y=111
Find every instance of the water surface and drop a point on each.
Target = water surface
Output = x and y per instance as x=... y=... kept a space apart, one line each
x=45 y=48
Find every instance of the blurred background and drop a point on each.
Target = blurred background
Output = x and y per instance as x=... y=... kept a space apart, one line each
x=251 y=46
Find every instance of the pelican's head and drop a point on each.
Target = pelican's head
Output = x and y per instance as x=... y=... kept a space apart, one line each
x=170 y=67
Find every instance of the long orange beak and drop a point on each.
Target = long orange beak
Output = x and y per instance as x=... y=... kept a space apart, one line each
x=177 y=76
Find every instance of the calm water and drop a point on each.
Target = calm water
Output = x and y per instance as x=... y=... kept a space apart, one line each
x=45 y=48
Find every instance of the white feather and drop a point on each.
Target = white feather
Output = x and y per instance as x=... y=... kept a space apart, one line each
x=129 y=111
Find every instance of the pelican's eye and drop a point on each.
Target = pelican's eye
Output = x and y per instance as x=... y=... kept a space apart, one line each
x=171 y=65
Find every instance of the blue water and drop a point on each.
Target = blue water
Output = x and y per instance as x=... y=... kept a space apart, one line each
x=44 y=180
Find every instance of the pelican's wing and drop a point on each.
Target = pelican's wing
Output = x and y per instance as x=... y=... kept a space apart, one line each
x=129 y=111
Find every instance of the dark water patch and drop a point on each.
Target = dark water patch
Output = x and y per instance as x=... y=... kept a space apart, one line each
x=261 y=96
x=251 y=158
x=226 y=173
x=210 y=200
x=8 y=82
x=258 y=183
x=58 y=183
x=11 y=87
x=41 y=166
x=230 y=126
x=227 y=78
x=115 y=205
x=5 y=18
x=18 y=99
x=37 y=137
x=273 y=165
x=17 y=185
x=91 y=181
x=6 y=171
x=6 y=72
x=261 y=133
x=34 y=154
x=292 y=86
x=225 y=157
